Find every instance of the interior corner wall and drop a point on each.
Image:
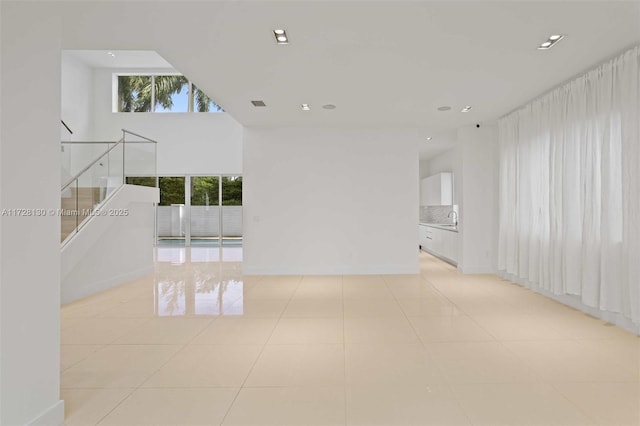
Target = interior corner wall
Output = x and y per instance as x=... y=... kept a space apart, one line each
x=188 y=143
x=330 y=201
x=479 y=205
x=424 y=169
x=30 y=245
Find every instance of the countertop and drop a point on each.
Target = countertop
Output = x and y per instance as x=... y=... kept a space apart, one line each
x=450 y=228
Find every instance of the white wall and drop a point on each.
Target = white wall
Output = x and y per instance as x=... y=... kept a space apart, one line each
x=330 y=201
x=111 y=250
x=478 y=209
x=77 y=113
x=188 y=143
x=30 y=245
x=77 y=98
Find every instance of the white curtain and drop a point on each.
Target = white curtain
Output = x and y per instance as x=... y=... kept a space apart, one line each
x=570 y=189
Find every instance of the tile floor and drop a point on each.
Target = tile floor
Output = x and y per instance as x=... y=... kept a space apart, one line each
x=198 y=343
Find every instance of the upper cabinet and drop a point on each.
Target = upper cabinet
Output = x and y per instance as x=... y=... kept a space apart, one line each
x=437 y=190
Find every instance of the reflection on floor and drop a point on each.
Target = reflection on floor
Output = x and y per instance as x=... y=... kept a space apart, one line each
x=198 y=343
x=211 y=291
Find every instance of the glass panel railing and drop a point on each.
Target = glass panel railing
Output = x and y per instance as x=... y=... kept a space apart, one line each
x=106 y=166
x=140 y=155
x=84 y=193
x=75 y=156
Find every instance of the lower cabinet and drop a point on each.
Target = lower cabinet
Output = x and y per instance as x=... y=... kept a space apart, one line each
x=425 y=237
x=439 y=242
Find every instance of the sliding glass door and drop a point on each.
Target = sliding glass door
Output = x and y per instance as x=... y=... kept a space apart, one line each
x=172 y=216
x=205 y=210
x=199 y=210
x=231 y=220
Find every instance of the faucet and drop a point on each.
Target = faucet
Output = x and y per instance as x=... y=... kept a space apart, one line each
x=455 y=220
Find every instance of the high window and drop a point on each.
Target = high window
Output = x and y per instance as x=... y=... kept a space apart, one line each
x=160 y=93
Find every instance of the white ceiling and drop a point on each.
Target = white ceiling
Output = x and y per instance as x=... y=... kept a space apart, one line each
x=120 y=59
x=383 y=63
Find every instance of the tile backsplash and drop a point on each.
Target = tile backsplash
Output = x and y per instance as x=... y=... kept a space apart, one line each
x=437 y=214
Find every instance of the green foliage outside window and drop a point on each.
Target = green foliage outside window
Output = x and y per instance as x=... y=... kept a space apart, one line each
x=165 y=86
x=203 y=103
x=232 y=191
x=135 y=94
x=171 y=190
x=142 y=181
x=204 y=191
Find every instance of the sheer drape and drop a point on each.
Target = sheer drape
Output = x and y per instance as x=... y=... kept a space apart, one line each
x=570 y=189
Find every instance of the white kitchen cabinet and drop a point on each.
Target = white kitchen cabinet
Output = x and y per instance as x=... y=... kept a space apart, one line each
x=437 y=190
x=422 y=235
x=425 y=237
x=449 y=245
x=439 y=242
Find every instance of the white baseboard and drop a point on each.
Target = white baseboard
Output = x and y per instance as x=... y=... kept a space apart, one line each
x=53 y=416
x=71 y=294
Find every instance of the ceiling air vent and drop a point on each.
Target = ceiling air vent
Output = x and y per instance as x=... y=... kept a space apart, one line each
x=258 y=103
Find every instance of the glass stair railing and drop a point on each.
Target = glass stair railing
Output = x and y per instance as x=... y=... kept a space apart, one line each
x=106 y=167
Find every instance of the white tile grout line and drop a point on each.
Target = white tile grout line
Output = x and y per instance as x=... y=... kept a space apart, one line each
x=183 y=346
x=501 y=343
x=242 y=385
x=448 y=386
x=344 y=352
x=211 y=321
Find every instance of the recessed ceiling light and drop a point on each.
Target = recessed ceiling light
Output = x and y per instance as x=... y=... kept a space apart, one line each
x=553 y=39
x=466 y=109
x=281 y=36
x=329 y=106
x=305 y=107
x=444 y=108
x=429 y=138
x=258 y=103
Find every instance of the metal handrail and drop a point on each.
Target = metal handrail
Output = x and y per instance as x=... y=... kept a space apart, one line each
x=88 y=142
x=66 y=127
x=81 y=172
x=97 y=142
x=137 y=135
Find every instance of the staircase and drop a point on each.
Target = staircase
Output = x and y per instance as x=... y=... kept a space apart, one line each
x=107 y=228
x=106 y=165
